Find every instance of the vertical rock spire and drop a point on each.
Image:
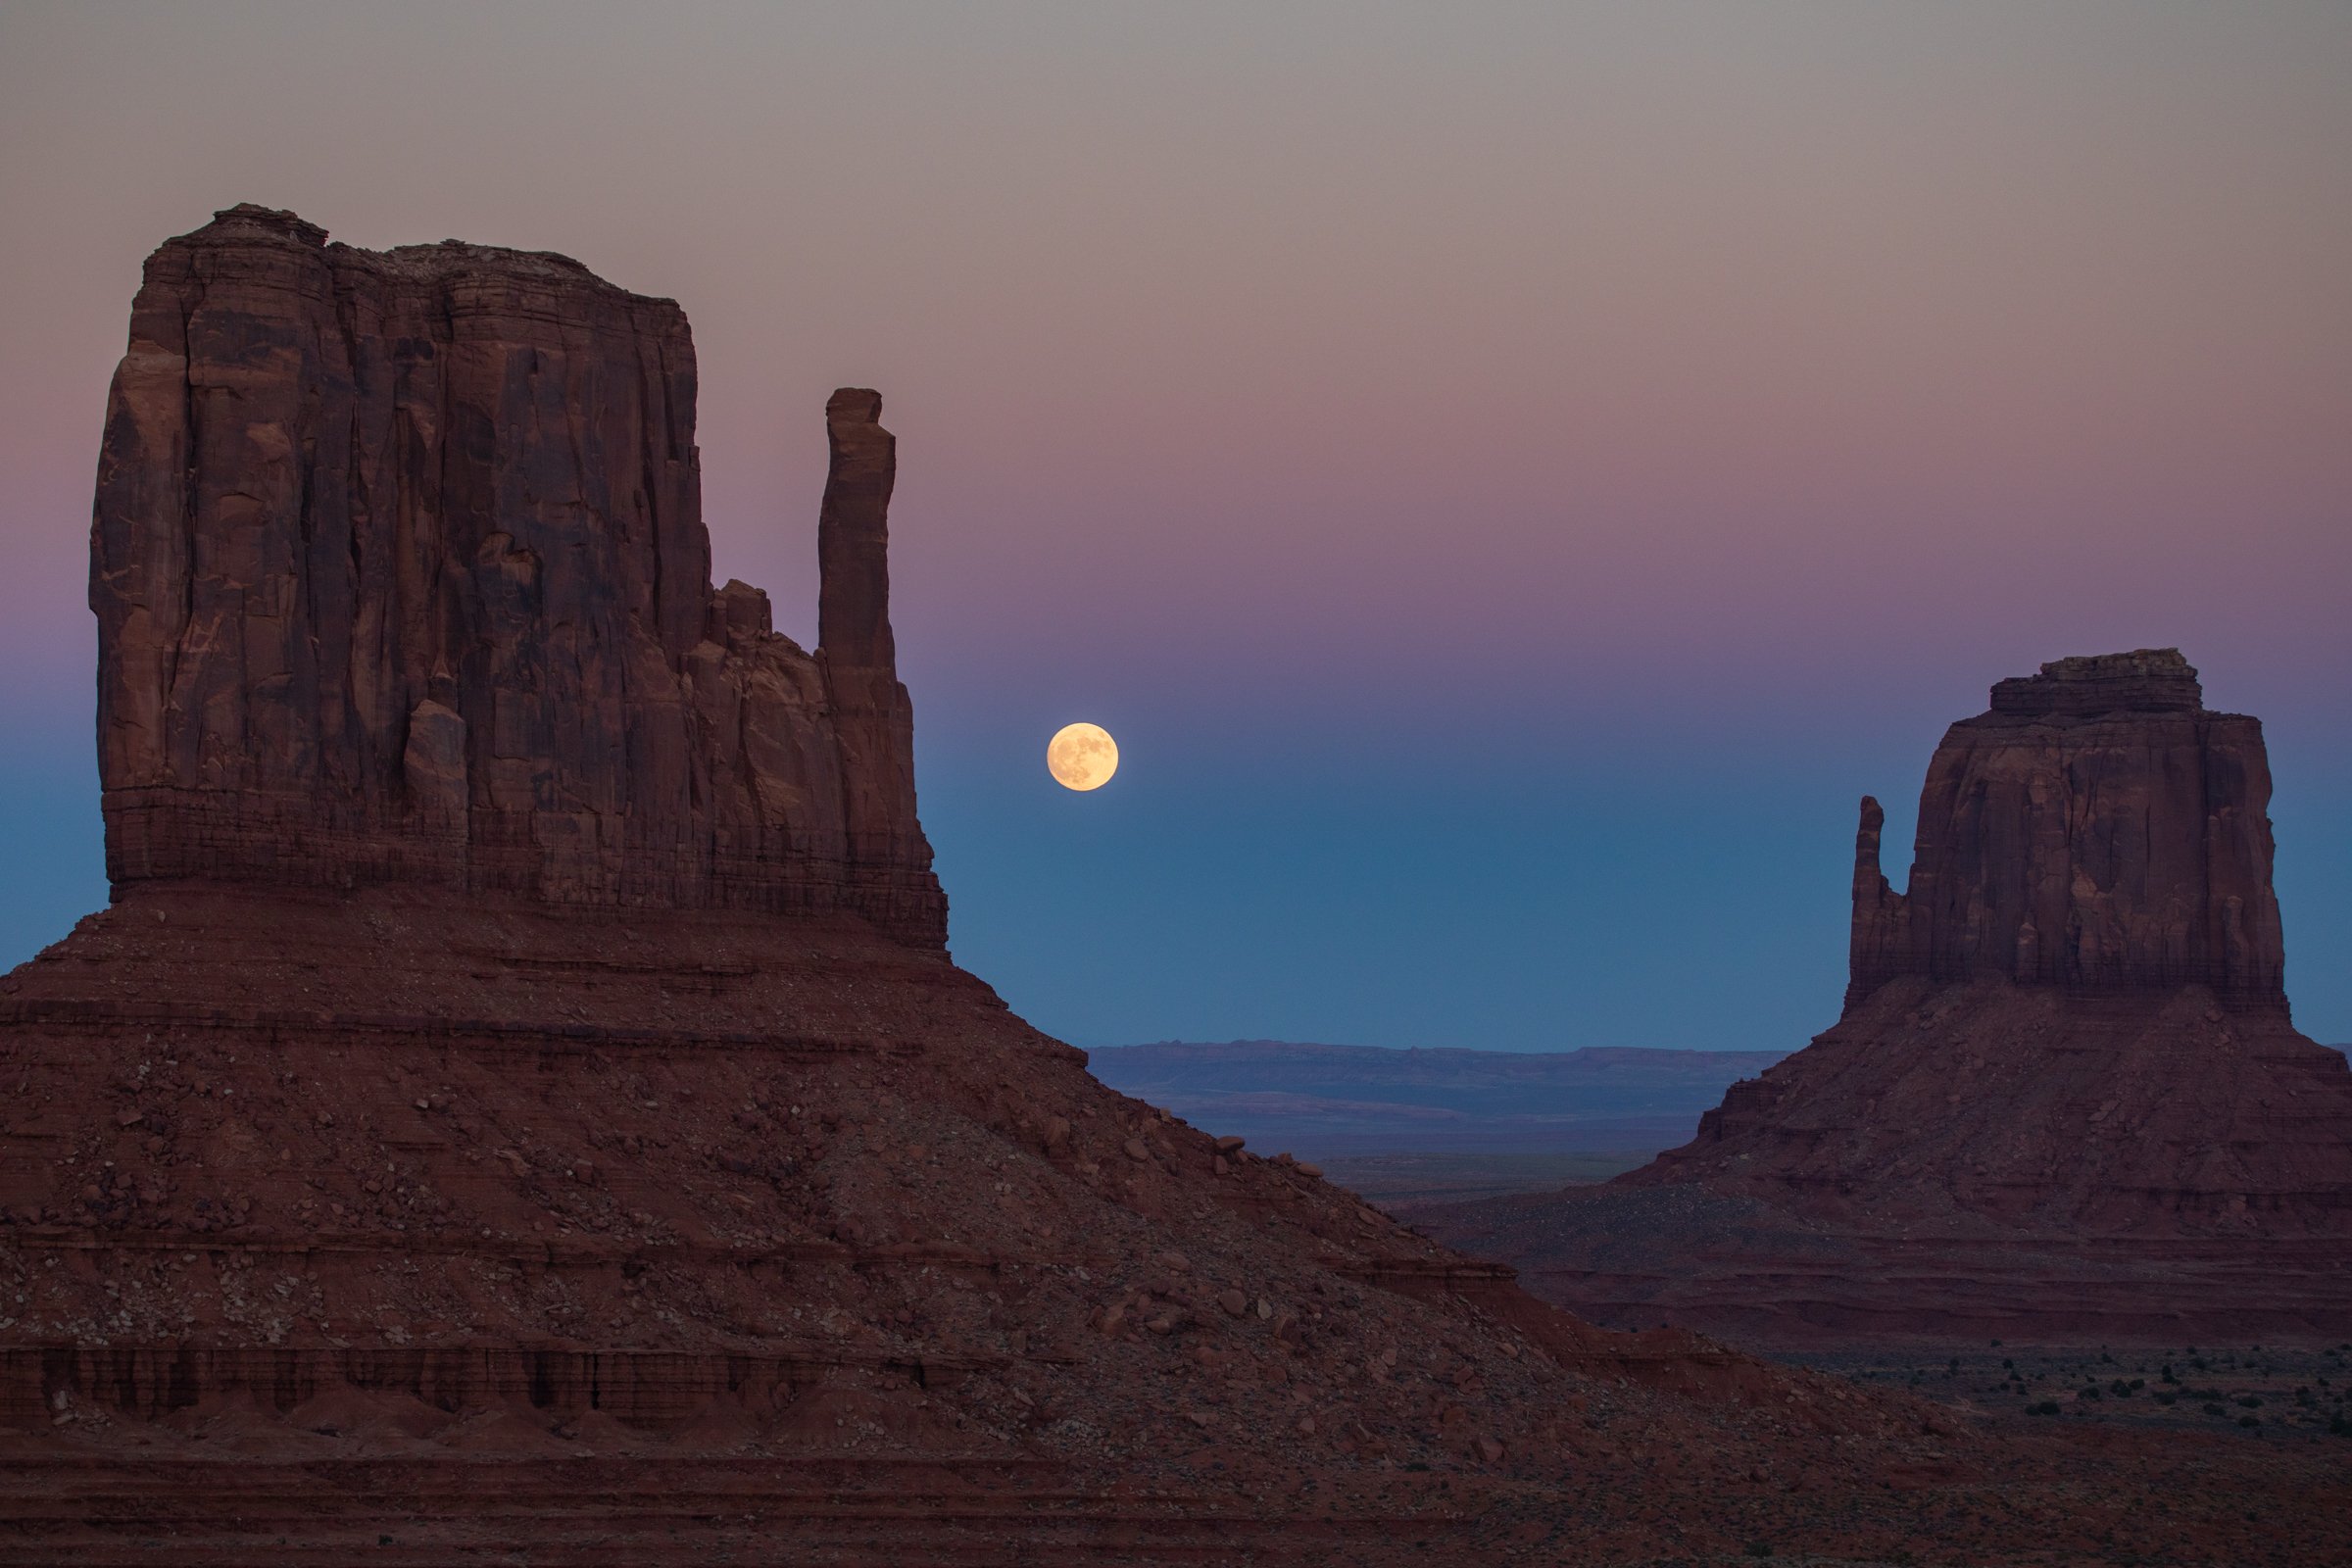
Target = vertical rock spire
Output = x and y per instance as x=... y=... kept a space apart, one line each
x=873 y=718
x=1877 y=933
x=853 y=535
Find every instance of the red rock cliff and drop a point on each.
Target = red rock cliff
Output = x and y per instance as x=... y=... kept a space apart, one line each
x=2097 y=829
x=400 y=576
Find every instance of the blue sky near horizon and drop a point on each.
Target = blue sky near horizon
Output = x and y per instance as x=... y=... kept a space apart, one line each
x=1510 y=477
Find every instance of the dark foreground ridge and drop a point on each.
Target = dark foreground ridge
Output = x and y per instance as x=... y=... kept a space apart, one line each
x=2065 y=1102
x=519 y=1105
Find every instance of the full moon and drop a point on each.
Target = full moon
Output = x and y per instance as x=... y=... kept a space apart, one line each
x=1082 y=757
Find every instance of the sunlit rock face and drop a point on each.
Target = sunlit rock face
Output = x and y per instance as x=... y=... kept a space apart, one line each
x=2096 y=830
x=400 y=576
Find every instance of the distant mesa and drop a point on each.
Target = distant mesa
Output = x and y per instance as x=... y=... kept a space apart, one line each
x=2064 y=1097
x=1330 y=1100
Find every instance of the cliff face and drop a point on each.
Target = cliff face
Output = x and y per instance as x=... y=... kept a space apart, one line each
x=2096 y=830
x=401 y=577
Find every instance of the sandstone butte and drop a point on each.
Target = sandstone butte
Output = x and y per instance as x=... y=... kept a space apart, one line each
x=2065 y=1102
x=519 y=1105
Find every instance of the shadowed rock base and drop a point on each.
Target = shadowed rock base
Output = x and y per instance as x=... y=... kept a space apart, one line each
x=623 y=1235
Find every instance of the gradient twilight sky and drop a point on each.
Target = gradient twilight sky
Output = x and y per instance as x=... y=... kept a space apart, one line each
x=1510 y=477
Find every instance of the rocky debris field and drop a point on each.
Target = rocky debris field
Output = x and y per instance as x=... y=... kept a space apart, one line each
x=2275 y=1393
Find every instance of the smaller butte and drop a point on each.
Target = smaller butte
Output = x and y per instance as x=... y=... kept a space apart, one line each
x=2066 y=1099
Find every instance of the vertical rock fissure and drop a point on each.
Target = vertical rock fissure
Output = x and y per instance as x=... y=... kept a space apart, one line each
x=185 y=453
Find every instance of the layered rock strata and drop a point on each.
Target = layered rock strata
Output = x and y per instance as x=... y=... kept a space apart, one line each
x=407 y=1226
x=400 y=576
x=2065 y=1098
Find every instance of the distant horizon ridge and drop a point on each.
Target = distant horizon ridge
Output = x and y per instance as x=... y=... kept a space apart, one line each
x=1467 y=1051
x=1320 y=1098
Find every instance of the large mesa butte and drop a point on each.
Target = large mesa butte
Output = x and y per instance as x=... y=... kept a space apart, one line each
x=2098 y=829
x=400 y=576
